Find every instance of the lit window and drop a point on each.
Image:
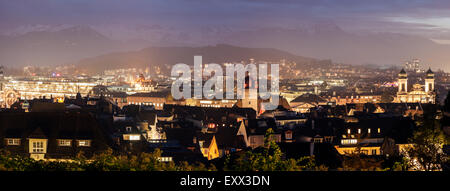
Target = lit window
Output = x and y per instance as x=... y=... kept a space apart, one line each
x=374 y=152
x=64 y=142
x=348 y=131
x=84 y=143
x=165 y=159
x=288 y=135
x=13 y=141
x=348 y=141
x=134 y=137
x=379 y=130
x=38 y=147
x=359 y=131
x=368 y=130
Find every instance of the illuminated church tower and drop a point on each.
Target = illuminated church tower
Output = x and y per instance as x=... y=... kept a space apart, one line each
x=429 y=81
x=248 y=101
x=419 y=93
x=402 y=82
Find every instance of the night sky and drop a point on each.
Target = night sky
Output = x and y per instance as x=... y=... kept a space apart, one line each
x=428 y=18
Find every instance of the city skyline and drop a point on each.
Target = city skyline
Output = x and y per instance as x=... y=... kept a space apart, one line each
x=243 y=85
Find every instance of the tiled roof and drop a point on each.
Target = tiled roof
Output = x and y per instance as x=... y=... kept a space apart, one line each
x=160 y=94
x=309 y=98
x=53 y=126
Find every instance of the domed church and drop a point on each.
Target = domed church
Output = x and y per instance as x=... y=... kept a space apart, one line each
x=417 y=93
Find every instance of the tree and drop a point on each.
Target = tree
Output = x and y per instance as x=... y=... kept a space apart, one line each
x=358 y=161
x=105 y=161
x=269 y=158
x=401 y=165
x=447 y=103
x=426 y=152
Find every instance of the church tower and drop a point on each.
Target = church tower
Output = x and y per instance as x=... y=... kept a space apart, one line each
x=1 y=72
x=402 y=82
x=1 y=78
x=248 y=101
x=429 y=81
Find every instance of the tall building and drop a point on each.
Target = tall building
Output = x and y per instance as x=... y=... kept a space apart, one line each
x=249 y=100
x=413 y=66
x=1 y=72
x=1 y=78
x=417 y=93
x=429 y=81
x=402 y=82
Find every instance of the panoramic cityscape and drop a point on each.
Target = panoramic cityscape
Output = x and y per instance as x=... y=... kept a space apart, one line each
x=105 y=94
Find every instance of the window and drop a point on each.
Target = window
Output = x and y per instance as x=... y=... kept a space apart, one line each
x=165 y=159
x=348 y=131
x=64 y=142
x=374 y=152
x=84 y=143
x=38 y=147
x=359 y=131
x=368 y=130
x=379 y=130
x=135 y=137
x=288 y=135
x=13 y=141
x=348 y=141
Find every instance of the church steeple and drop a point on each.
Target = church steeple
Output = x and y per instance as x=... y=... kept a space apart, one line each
x=429 y=81
x=430 y=74
x=402 y=81
x=402 y=74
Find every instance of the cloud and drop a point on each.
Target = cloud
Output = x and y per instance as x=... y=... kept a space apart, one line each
x=368 y=15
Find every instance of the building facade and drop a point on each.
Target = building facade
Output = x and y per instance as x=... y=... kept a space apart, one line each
x=418 y=93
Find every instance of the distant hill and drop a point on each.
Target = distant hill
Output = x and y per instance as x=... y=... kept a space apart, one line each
x=322 y=41
x=331 y=42
x=165 y=57
x=51 y=48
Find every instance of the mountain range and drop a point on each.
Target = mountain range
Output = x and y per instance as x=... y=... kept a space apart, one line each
x=83 y=44
x=164 y=57
x=343 y=47
x=51 y=48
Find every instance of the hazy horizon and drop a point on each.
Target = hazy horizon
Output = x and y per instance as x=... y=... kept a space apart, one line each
x=349 y=31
